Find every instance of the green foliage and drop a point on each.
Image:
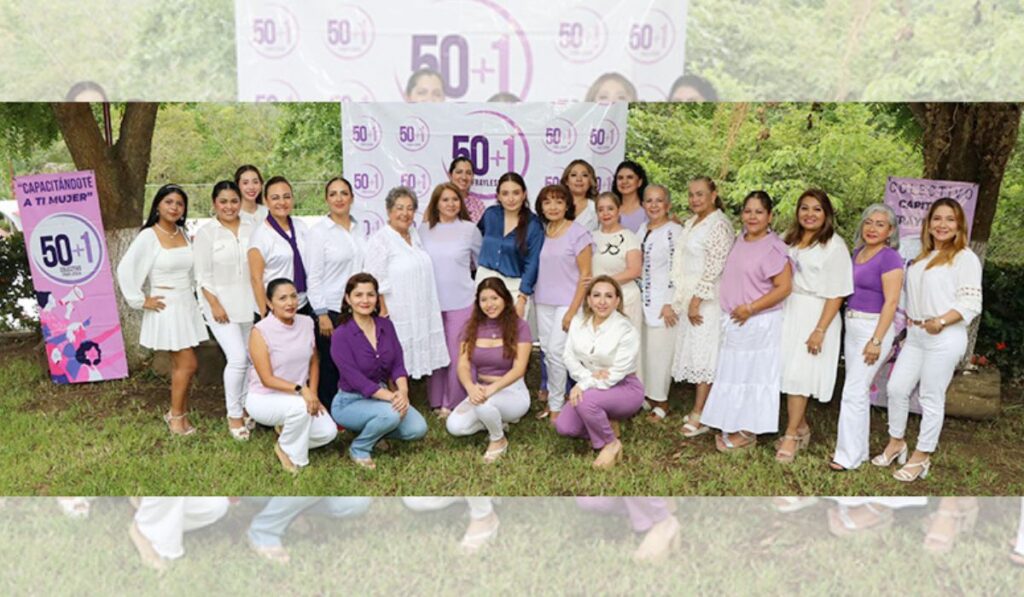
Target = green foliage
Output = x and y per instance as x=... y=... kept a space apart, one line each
x=846 y=149
x=1001 y=336
x=16 y=281
x=879 y=51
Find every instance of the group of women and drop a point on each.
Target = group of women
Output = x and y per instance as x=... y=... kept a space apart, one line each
x=622 y=297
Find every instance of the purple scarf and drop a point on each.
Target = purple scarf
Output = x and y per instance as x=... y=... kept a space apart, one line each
x=298 y=270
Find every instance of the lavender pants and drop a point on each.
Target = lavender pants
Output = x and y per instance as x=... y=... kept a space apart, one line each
x=444 y=389
x=643 y=512
x=590 y=418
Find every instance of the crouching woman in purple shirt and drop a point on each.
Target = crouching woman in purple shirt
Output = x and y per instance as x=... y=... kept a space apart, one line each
x=373 y=387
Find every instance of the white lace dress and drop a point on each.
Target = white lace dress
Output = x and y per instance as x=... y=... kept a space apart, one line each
x=405 y=275
x=696 y=271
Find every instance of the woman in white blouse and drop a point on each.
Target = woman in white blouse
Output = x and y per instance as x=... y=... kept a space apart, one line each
x=225 y=294
x=822 y=278
x=408 y=293
x=171 y=320
x=697 y=272
x=617 y=254
x=581 y=180
x=453 y=242
x=600 y=353
x=277 y=247
x=659 y=237
x=943 y=295
x=335 y=249
x=250 y=183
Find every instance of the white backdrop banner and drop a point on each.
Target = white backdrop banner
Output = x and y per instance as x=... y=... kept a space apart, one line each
x=539 y=50
x=390 y=144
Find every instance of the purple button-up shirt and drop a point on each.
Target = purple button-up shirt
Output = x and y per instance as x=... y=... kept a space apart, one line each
x=361 y=369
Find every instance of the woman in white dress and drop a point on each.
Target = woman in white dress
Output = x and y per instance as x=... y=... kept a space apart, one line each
x=943 y=295
x=659 y=237
x=617 y=254
x=811 y=332
x=334 y=251
x=250 y=183
x=225 y=294
x=697 y=271
x=277 y=247
x=171 y=319
x=408 y=294
x=581 y=180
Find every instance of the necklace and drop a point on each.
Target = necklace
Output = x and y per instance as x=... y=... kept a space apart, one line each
x=553 y=231
x=169 y=234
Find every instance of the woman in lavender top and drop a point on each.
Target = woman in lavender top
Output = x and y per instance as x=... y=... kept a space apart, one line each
x=870 y=310
x=744 y=399
x=373 y=387
x=564 y=268
x=629 y=184
x=453 y=242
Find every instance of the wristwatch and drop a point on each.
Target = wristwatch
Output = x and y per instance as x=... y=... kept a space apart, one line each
x=298 y=388
x=875 y=342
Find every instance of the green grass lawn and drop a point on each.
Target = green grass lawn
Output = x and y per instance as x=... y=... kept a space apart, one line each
x=109 y=439
x=545 y=546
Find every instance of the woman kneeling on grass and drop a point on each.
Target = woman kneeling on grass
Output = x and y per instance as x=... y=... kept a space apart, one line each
x=285 y=366
x=373 y=386
x=492 y=362
x=600 y=354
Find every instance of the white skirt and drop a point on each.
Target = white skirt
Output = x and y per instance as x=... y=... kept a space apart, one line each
x=178 y=326
x=697 y=346
x=745 y=395
x=803 y=373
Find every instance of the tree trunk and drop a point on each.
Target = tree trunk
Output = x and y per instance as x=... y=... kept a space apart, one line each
x=971 y=143
x=121 y=170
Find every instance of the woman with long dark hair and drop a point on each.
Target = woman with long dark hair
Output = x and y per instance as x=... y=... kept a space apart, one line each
x=629 y=184
x=581 y=180
x=491 y=366
x=460 y=174
x=162 y=255
x=225 y=294
x=250 y=184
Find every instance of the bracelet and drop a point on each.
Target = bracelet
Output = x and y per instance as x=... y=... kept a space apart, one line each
x=819 y=330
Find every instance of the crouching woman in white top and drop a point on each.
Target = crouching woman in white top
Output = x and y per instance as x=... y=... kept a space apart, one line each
x=170 y=320
x=943 y=295
x=600 y=354
x=285 y=366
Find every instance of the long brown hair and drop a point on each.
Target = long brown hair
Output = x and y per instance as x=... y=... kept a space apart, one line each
x=587 y=311
x=796 y=232
x=523 y=226
x=508 y=320
x=356 y=280
x=959 y=243
x=433 y=213
x=592 y=191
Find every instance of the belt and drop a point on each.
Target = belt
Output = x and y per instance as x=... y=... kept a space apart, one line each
x=854 y=314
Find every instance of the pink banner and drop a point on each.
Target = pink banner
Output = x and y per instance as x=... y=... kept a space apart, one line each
x=71 y=274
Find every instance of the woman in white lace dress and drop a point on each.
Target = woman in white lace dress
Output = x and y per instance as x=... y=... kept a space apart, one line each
x=696 y=271
x=408 y=294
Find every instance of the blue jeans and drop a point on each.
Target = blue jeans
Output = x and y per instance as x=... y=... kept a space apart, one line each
x=373 y=420
x=268 y=527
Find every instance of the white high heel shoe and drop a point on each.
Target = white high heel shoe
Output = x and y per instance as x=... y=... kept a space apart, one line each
x=905 y=475
x=884 y=460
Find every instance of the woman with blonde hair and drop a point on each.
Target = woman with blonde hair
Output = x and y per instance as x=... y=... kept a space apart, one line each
x=943 y=295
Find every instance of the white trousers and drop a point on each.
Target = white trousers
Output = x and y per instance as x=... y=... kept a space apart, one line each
x=479 y=507
x=233 y=339
x=659 y=348
x=552 y=342
x=300 y=431
x=888 y=502
x=930 y=360
x=1020 y=531
x=508 y=405
x=855 y=408
x=164 y=520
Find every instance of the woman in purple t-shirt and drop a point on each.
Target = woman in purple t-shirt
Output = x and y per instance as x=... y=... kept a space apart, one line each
x=870 y=310
x=564 y=267
x=492 y=364
x=757 y=277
